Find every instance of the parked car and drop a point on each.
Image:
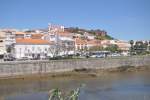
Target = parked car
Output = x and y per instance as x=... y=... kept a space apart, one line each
x=8 y=57
x=97 y=55
x=23 y=59
x=115 y=54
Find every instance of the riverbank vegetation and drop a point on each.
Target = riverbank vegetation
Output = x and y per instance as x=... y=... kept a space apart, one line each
x=57 y=94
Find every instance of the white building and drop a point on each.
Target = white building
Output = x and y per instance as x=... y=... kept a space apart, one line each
x=89 y=36
x=10 y=38
x=55 y=28
x=31 y=48
x=124 y=46
x=64 y=40
x=22 y=35
x=2 y=44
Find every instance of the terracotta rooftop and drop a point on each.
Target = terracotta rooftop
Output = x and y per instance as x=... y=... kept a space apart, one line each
x=94 y=42
x=80 y=41
x=37 y=36
x=67 y=34
x=32 y=41
x=19 y=33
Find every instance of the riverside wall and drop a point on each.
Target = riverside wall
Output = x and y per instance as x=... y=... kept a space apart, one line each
x=21 y=68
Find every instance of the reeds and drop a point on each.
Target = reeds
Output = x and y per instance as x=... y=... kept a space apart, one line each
x=57 y=94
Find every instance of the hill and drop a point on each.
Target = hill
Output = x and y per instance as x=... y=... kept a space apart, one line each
x=100 y=34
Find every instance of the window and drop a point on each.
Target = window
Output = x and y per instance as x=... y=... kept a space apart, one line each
x=1 y=40
x=45 y=49
x=39 y=49
x=26 y=48
x=78 y=47
x=26 y=54
x=45 y=55
x=32 y=48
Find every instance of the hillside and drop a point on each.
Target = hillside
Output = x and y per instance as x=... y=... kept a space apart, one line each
x=100 y=34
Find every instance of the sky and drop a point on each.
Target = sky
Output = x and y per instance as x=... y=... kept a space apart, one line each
x=122 y=19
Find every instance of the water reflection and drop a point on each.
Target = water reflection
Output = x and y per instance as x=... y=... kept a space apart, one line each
x=114 y=86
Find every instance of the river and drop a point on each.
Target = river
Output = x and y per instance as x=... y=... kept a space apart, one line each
x=112 y=86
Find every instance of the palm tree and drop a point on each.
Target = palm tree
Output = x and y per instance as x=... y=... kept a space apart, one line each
x=132 y=48
x=131 y=42
x=146 y=45
x=9 y=48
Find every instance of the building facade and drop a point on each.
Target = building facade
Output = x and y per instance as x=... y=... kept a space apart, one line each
x=2 y=44
x=31 y=48
x=63 y=40
x=10 y=38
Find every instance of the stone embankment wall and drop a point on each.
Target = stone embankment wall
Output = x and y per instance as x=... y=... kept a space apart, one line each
x=17 y=68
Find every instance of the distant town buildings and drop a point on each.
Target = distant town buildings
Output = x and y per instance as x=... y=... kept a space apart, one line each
x=57 y=41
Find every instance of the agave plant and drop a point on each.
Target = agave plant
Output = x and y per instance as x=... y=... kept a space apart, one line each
x=74 y=94
x=56 y=94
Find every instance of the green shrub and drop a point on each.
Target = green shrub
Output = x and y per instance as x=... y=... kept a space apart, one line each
x=57 y=94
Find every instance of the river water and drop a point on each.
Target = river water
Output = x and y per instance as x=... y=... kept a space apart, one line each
x=113 y=86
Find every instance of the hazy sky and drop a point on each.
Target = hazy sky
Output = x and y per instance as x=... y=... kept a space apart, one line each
x=122 y=19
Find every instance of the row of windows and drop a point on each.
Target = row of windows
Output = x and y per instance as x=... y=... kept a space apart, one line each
x=81 y=47
x=31 y=54
x=38 y=48
x=33 y=49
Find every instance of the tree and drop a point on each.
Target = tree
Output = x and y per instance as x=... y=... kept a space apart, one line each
x=105 y=37
x=61 y=48
x=140 y=47
x=67 y=46
x=54 y=50
x=73 y=29
x=9 y=49
x=132 y=48
x=146 y=45
x=131 y=42
x=113 y=48
x=96 y=48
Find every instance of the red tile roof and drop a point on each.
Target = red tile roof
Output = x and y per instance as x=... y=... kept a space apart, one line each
x=32 y=41
x=93 y=42
x=20 y=33
x=66 y=34
x=80 y=41
x=37 y=36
